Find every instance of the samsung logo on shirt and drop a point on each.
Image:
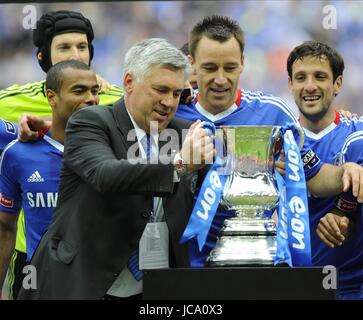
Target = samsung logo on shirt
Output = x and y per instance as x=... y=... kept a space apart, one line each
x=42 y=200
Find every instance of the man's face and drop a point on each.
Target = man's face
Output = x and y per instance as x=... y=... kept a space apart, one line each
x=218 y=66
x=70 y=46
x=156 y=97
x=312 y=86
x=79 y=89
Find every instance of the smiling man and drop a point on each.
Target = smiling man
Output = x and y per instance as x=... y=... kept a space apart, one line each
x=315 y=78
x=216 y=46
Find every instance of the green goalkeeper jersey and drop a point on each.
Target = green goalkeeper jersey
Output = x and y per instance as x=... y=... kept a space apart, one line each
x=30 y=98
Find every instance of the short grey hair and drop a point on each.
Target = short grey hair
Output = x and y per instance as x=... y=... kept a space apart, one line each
x=143 y=56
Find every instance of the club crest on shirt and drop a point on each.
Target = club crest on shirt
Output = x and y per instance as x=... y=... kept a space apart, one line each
x=9 y=127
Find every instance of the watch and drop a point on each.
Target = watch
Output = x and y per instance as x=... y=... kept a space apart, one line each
x=180 y=165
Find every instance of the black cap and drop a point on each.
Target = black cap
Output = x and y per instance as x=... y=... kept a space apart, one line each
x=58 y=22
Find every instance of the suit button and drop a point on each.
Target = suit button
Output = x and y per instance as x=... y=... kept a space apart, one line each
x=146 y=214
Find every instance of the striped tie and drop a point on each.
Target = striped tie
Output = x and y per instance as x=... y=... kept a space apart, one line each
x=146 y=144
x=133 y=263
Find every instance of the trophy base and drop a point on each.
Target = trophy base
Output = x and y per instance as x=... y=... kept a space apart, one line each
x=244 y=227
x=233 y=263
x=253 y=250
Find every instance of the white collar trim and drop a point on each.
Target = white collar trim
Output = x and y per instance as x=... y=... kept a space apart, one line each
x=321 y=134
x=54 y=143
x=217 y=116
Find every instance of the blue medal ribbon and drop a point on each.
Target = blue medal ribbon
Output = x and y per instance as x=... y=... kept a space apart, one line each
x=207 y=203
x=293 y=231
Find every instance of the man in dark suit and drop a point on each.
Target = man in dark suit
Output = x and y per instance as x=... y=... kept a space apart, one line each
x=109 y=199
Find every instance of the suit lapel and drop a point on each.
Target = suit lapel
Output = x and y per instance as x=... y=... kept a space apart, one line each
x=123 y=122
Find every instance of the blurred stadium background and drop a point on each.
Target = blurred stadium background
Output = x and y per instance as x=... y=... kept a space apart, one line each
x=272 y=29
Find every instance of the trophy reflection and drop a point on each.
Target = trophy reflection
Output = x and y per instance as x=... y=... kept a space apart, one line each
x=249 y=237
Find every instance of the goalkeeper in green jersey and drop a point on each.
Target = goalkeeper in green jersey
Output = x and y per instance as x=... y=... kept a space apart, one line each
x=61 y=35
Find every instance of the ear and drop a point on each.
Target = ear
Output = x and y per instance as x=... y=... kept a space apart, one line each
x=242 y=63
x=40 y=56
x=129 y=82
x=338 y=84
x=191 y=60
x=52 y=98
x=290 y=83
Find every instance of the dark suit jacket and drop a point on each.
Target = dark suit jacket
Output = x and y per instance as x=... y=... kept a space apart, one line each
x=103 y=206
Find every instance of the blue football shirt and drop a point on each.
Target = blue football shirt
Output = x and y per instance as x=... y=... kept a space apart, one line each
x=327 y=145
x=29 y=178
x=349 y=256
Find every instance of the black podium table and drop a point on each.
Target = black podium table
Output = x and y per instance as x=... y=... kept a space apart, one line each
x=236 y=283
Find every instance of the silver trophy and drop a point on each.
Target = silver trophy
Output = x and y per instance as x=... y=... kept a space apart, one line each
x=248 y=238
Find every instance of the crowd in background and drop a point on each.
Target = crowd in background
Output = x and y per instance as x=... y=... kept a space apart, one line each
x=272 y=29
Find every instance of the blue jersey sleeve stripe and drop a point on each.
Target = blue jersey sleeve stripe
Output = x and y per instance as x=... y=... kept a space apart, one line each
x=278 y=102
x=356 y=120
x=353 y=136
x=358 y=135
x=4 y=152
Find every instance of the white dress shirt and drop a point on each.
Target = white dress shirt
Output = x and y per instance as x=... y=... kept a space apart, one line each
x=125 y=284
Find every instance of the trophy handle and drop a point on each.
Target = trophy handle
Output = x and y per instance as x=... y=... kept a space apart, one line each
x=276 y=143
x=276 y=140
x=301 y=136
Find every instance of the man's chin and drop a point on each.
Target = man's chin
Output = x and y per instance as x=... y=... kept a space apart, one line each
x=220 y=105
x=222 y=102
x=162 y=124
x=315 y=115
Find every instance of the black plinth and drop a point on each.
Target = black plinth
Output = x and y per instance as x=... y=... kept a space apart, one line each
x=236 y=283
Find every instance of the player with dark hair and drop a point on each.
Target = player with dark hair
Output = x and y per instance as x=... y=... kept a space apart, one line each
x=30 y=172
x=315 y=78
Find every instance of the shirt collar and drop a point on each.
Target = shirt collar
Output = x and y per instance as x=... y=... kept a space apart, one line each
x=217 y=116
x=140 y=133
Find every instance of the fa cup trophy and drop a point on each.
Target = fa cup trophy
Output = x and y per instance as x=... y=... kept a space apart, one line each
x=249 y=237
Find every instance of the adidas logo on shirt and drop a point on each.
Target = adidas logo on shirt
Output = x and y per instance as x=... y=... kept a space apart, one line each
x=35 y=177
